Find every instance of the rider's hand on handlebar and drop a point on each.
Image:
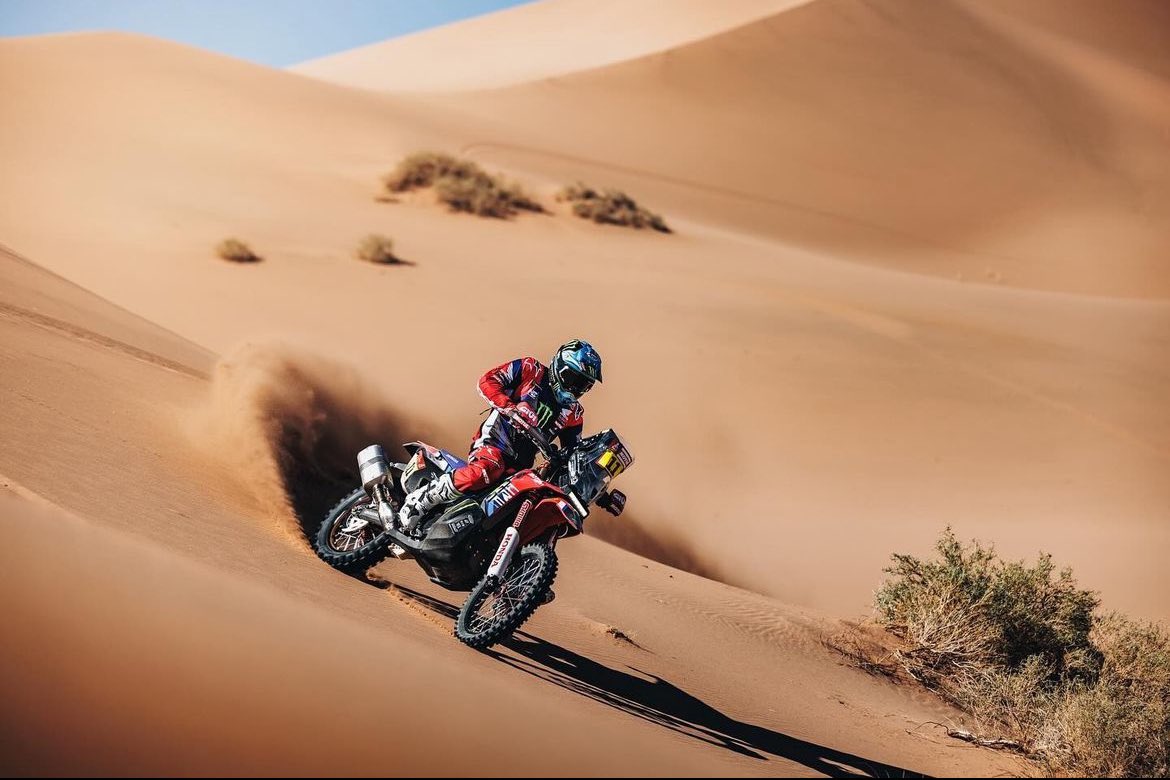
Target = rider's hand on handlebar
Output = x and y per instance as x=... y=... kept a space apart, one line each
x=528 y=425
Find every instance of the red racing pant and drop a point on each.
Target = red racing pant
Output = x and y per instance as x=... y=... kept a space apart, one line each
x=484 y=467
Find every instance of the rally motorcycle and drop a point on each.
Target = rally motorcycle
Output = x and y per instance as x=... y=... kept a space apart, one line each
x=499 y=544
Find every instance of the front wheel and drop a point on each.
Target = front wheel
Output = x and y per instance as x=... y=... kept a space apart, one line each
x=347 y=542
x=494 y=609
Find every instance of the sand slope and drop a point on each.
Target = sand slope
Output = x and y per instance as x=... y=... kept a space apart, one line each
x=166 y=621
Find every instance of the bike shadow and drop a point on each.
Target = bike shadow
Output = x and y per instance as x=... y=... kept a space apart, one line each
x=658 y=701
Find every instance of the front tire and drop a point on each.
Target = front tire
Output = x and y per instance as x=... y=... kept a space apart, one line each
x=350 y=552
x=494 y=610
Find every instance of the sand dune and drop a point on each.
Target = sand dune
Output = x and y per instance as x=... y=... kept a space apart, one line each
x=951 y=138
x=915 y=282
x=533 y=41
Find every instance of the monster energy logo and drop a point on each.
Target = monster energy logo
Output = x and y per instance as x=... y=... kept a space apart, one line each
x=544 y=413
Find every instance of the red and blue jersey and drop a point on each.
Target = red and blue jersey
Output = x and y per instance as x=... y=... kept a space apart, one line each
x=524 y=380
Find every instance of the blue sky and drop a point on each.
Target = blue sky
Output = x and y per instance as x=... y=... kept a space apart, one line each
x=272 y=32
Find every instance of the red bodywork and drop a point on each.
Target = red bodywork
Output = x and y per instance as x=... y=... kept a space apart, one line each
x=550 y=510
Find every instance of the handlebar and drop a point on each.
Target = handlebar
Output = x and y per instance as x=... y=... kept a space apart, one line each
x=532 y=433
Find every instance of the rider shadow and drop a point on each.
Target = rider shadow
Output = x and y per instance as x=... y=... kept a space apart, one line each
x=658 y=701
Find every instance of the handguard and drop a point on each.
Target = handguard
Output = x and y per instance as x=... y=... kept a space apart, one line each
x=613 y=501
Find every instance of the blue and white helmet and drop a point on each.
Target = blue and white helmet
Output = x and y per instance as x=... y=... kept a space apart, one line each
x=573 y=370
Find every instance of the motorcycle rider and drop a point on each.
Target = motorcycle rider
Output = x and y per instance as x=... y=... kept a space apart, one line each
x=546 y=398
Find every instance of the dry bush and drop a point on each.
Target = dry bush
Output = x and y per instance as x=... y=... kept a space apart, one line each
x=376 y=248
x=423 y=169
x=610 y=207
x=1120 y=724
x=484 y=196
x=461 y=184
x=1022 y=650
x=237 y=251
x=969 y=609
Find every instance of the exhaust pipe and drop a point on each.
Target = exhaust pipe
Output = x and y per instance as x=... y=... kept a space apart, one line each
x=375 y=474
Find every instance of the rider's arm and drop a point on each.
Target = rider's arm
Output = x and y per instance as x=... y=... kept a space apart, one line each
x=569 y=436
x=573 y=426
x=499 y=385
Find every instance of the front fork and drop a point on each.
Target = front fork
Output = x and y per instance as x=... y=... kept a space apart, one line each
x=508 y=545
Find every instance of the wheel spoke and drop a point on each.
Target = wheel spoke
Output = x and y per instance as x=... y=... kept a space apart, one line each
x=481 y=622
x=513 y=595
x=344 y=539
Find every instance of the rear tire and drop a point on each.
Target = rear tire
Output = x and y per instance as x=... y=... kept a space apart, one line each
x=529 y=578
x=350 y=552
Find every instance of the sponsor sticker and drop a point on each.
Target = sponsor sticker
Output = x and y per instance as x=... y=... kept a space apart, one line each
x=544 y=413
x=459 y=523
x=501 y=496
x=624 y=456
x=523 y=513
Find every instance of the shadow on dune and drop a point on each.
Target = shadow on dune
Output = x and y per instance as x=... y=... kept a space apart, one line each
x=658 y=701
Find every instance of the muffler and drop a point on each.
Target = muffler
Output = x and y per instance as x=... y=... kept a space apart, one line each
x=373 y=466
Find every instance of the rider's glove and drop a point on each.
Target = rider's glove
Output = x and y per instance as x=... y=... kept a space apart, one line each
x=613 y=502
x=525 y=413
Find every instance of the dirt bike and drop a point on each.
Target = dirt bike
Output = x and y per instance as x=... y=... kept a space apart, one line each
x=499 y=544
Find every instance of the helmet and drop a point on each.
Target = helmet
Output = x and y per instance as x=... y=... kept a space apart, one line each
x=573 y=370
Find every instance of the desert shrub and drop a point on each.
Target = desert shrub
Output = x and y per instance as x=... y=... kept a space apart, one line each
x=610 y=207
x=237 y=251
x=461 y=184
x=1022 y=649
x=423 y=169
x=484 y=196
x=376 y=248
x=970 y=607
x=1119 y=725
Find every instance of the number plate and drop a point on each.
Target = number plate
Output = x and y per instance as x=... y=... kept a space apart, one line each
x=611 y=463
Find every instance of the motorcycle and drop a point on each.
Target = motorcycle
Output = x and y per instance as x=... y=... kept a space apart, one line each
x=498 y=544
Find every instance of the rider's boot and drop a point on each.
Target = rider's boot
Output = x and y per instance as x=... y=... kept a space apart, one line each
x=423 y=499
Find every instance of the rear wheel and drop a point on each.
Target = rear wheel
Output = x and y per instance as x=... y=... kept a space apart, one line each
x=348 y=543
x=495 y=609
